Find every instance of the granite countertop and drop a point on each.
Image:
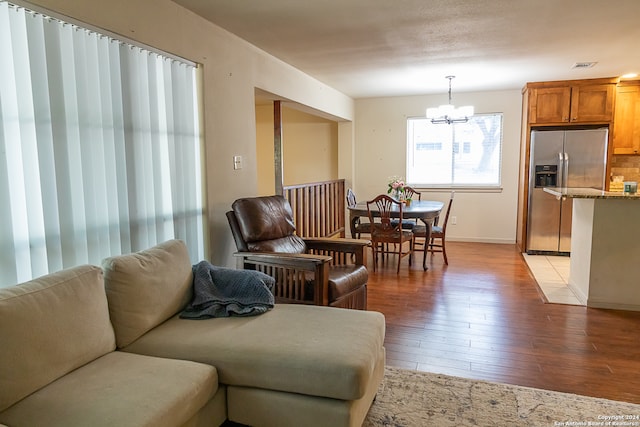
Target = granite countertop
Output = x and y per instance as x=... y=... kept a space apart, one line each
x=588 y=193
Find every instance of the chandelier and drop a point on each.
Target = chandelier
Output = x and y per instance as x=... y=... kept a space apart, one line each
x=448 y=113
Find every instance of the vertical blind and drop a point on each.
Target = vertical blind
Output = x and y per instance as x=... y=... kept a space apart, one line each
x=99 y=147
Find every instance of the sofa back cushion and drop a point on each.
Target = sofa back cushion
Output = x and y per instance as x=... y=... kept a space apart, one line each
x=49 y=327
x=146 y=288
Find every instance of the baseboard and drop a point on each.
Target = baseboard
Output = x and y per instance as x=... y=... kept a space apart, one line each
x=578 y=293
x=612 y=305
x=481 y=240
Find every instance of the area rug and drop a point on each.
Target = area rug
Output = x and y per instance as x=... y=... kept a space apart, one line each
x=409 y=398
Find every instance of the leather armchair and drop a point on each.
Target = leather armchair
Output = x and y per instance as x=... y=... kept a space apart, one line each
x=318 y=271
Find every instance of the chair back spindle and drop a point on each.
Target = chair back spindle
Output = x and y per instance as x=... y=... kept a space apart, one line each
x=411 y=193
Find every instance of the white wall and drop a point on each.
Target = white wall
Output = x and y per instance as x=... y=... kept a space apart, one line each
x=232 y=69
x=380 y=152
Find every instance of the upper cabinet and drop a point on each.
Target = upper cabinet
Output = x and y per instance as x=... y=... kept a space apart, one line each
x=626 y=123
x=549 y=105
x=569 y=102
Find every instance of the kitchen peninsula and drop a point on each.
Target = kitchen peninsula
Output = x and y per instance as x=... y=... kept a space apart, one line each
x=605 y=247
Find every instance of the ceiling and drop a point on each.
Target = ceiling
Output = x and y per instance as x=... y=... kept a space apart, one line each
x=373 y=48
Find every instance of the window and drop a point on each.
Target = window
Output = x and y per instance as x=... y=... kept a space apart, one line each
x=99 y=147
x=456 y=155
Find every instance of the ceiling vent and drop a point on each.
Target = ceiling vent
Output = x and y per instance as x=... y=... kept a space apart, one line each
x=581 y=65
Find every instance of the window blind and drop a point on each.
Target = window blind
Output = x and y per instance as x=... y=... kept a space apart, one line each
x=459 y=155
x=99 y=147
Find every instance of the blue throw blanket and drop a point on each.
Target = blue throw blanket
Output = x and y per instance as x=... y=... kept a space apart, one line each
x=225 y=292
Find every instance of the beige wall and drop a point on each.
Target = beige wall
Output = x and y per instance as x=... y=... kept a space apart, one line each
x=309 y=145
x=310 y=148
x=264 y=149
x=380 y=152
x=232 y=70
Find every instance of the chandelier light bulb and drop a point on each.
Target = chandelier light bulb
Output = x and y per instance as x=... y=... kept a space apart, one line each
x=448 y=113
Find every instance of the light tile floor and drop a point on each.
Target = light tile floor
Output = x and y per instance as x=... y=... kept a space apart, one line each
x=552 y=275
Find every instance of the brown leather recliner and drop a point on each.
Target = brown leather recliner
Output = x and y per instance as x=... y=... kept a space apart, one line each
x=319 y=271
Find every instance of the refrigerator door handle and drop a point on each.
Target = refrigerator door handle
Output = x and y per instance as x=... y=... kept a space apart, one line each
x=560 y=182
x=565 y=169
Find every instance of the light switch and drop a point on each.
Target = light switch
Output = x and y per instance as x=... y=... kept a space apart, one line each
x=237 y=162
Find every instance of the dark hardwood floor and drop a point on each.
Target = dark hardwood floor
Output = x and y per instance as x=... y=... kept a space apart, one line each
x=483 y=317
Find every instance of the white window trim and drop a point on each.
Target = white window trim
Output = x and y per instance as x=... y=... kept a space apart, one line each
x=464 y=188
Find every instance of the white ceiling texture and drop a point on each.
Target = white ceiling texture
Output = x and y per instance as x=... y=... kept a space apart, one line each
x=373 y=48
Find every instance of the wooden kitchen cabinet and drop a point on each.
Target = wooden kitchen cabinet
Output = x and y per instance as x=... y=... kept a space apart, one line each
x=550 y=105
x=575 y=101
x=626 y=122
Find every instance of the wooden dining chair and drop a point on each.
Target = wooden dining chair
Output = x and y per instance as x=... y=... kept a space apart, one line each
x=439 y=232
x=357 y=226
x=409 y=193
x=426 y=238
x=384 y=232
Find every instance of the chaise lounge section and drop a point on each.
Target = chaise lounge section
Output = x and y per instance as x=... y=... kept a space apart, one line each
x=294 y=365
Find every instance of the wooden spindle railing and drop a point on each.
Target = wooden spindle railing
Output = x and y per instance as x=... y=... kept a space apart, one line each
x=318 y=208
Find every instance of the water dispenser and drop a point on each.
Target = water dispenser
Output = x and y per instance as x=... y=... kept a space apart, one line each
x=546 y=176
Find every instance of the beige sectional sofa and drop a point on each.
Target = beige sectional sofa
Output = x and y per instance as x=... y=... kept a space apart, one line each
x=106 y=347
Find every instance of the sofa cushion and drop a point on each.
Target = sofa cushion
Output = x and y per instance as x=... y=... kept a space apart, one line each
x=119 y=389
x=146 y=288
x=319 y=351
x=49 y=327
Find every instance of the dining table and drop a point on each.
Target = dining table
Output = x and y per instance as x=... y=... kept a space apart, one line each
x=425 y=210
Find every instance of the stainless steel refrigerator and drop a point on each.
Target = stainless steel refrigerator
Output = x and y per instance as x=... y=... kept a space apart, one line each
x=561 y=158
